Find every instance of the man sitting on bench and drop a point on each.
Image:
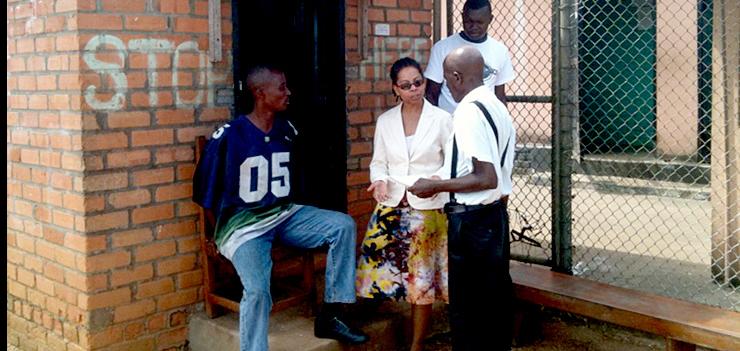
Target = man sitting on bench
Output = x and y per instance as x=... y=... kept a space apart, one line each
x=243 y=180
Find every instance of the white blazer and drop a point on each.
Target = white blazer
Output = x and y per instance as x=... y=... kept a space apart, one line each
x=393 y=161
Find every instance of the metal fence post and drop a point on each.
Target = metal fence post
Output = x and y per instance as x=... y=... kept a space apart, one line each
x=564 y=117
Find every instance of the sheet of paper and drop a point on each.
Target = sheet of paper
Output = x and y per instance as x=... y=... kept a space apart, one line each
x=407 y=180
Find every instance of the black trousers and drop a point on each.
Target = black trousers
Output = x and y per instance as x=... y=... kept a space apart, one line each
x=480 y=288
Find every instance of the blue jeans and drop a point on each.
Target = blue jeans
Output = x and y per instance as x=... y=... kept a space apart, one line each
x=309 y=227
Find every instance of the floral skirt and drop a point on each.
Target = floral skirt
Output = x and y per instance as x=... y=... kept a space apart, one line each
x=404 y=256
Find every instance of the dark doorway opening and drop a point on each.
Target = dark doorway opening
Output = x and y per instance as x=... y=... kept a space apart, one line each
x=305 y=39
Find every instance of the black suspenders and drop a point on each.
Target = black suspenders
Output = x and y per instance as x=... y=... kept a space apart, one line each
x=453 y=173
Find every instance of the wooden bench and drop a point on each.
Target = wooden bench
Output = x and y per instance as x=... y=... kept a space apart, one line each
x=222 y=287
x=684 y=324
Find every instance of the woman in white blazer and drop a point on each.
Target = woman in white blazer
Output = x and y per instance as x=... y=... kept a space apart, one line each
x=404 y=252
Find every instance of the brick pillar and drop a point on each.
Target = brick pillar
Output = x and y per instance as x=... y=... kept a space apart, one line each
x=105 y=99
x=368 y=81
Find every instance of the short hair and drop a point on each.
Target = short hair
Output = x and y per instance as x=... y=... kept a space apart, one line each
x=401 y=64
x=258 y=75
x=476 y=5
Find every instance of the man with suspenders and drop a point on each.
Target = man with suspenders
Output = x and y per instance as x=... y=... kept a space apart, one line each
x=478 y=161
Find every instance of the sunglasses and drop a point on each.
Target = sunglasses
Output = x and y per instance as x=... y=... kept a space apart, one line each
x=407 y=85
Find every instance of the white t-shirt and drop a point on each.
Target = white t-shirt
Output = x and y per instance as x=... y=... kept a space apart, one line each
x=498 y=69
x=475 y=138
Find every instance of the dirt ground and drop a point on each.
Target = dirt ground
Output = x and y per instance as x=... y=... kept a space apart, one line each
x=558 y=331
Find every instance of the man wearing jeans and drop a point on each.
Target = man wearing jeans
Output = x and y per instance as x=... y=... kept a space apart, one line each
x=478 y=161
x=243 y=181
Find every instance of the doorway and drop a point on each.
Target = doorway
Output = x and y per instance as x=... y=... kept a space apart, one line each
x=306 y=40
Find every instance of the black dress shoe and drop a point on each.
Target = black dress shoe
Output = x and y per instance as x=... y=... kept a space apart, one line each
x=333 y=328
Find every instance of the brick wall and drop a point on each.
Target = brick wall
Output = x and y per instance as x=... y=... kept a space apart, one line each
x=104 y=99
x=368 y=81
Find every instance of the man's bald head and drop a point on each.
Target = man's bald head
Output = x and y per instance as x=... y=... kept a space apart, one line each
x=463 y=71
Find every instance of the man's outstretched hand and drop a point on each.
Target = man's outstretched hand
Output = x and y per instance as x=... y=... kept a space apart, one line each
x=424 y=187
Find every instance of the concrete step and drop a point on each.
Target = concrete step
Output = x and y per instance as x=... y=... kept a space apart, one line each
x=387 y=324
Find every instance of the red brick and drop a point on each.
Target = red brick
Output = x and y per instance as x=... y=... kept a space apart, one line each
x=191 y=25
x=85 y=243
x=155 y=288
x=172 y=154
x=61 y=181
x=106 y=181
x=421 y=17
x=133 y=311
x=106 y=221
x=409 y=30
x=128 y=119
x=179 y=116
x=54 y=24
x=108 y=336
x=154 y=176
x=357 y=178
x=74 y=202
x=176 y=265
x=188 y=245
x=104 y=141
x=33 y=263
x=187 y=135
x=16 y=289
x=25 y=46
x=126 y=276
x=37 y=63
x=175 y=230
x=189 y=279
x=18 y=101
x=146 y=23
x=152 y=213
x=152 y=137
x=66 y=293
x=187 y=208
x=106 y=261
x=175 y=337
x=393 y=15
x=38 y=102
x=141 y=60
x=359 y=86
x=177 y=299
x=99 y=21
x=174 y=6
x=155 y=250
x=130 y=198
x=27 y=83
x=132 y=237
x=185 y=171
x=44 y=44
x=128 y=158
x=173 y=192
x=63 y=219
x=54 y=272
x=107 y=299
x=385 y=3
x=26 y=277
x=124 y=6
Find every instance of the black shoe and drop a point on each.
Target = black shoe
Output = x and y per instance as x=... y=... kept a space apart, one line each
x=334 y=328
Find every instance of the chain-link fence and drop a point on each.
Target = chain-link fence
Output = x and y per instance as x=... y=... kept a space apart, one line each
x=636 y=132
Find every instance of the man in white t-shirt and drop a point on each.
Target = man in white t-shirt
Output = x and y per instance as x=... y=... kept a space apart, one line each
x=479 y=161
x=498 y=71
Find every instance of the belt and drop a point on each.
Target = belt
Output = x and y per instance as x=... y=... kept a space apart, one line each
x=460 y=208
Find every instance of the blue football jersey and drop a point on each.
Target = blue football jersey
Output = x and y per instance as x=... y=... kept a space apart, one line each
x=244 y=168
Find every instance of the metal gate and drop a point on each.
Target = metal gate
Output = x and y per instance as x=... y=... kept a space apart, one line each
x=626 y=169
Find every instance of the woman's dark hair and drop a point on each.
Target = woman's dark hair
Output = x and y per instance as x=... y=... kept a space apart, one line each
x=401 y=64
